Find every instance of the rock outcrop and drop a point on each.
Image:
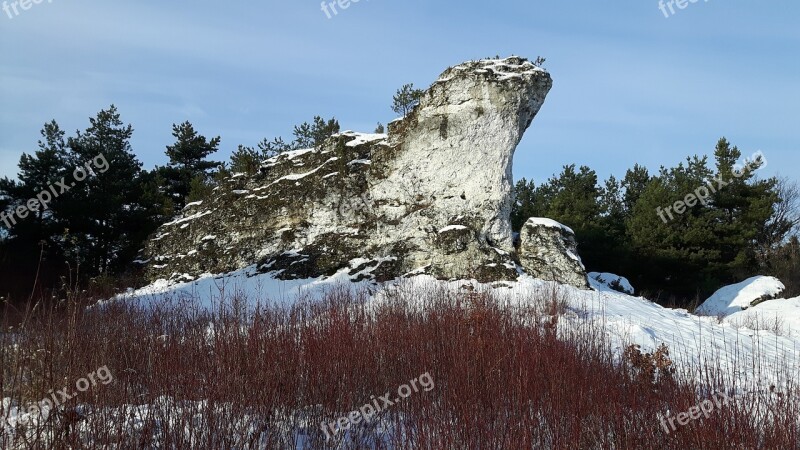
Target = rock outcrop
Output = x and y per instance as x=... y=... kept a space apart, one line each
x=548 y=251
x=433 y=196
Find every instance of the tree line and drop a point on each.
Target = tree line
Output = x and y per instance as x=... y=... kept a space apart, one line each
x=96 y=228
x=746 y=226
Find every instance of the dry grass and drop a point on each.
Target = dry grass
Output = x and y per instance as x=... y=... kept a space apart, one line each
x=263 y=377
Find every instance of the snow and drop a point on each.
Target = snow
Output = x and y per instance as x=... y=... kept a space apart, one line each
x=208 y=289
x=363 y=138
x=609 y=279
x=780 y=315
x=298 y=176
x=506 y=68
x=451 y=228
x=549 y=223
x=740 y=296
x=754 y=360
x=359 y=161
x=287 y=155
x=693 y=341
x=187 y=219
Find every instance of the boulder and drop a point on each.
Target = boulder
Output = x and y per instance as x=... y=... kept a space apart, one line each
x=548 y=251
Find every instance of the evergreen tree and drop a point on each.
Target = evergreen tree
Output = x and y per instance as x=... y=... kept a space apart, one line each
x=271 y=149
x=524 y=204
x=405 y=99
x=200 y=189
x=744 y=206
x=246 y=160
x=187 y=160
x=575 y=198
x=313 y=135
x=36 y=172
x=306 y=135
x=104 y=215
x=672 y=253
x=634 y=183
x=29 y=260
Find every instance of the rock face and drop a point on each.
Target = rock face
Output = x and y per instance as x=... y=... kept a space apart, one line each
x=548 y=251
x=433 y=196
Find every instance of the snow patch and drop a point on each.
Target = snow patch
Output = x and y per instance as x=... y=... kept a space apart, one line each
x=549 y=223
x=740 y=296
x=452 y=228
x=613 y=282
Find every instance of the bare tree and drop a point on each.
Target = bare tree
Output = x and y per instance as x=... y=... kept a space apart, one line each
x=788 y=210
x=785 y=220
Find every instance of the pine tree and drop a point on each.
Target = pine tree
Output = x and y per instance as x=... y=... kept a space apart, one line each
x=634 y=183
x=671 y=250
x=104 y=215
x=246 y=160
x=744 y=206
x=524 y=204
x=405 y=99
x=575 y=198
x=313 y=135
x=187 y=160
x=270 y=149
x=200 y=189
x=36 y=172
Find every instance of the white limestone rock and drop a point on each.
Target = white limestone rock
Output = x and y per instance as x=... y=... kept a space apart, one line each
x=433 y=196
x=548 y=251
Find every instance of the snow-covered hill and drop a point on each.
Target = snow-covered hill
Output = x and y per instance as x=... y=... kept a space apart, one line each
x=754 y=359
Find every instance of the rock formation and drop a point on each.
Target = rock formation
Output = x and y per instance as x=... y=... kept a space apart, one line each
x=548 y=251
x=433 y=196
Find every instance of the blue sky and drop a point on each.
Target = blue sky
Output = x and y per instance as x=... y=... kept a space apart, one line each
x=630 y=85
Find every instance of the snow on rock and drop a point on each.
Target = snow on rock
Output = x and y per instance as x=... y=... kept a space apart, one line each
x=548 y=250
x=740 y=296
x=549 y=223
x=193 y=204
x=451 y=228
x=363 y=138
x=612 y=281
x=375 y=196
